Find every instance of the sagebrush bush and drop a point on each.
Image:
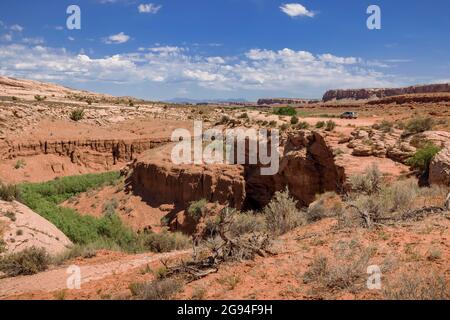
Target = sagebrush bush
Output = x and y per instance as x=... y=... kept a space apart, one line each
x=281 y=213
x=246 y=223
x=164 y=241
x=27 y=262
x=415 y=287
x=345 y=270
x=369 y=182
x=77 y=114
x=162 y=289
x=328 y=204
x=9 y=192
x=418 y=125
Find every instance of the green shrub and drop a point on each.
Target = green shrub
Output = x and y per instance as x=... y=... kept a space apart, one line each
x=423 y=157
x=243 y=116
x=294 y=120
x=19 y=164
x=330 y=125
x=196 y=209
x=39 y=98
x=27 y=262
x=44 y=199
x=9 y=192
x=162 y=289
x=281 y=213
x=418 y=125
x=285 y=111
x=303 y=125
x=77 y=114
x=320 y=124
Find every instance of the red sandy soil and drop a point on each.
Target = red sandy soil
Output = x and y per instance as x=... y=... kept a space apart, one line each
x=403 y=249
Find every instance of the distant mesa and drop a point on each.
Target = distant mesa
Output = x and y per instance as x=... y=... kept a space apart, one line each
x=379 y=93
x=270 y=101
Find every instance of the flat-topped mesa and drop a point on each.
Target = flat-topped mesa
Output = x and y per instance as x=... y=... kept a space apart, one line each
x=379 y=93
x=270 y=101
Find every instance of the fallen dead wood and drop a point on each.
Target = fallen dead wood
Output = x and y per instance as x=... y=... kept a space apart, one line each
x=226 y=249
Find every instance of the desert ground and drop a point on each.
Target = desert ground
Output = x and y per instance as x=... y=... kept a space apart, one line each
x=87 y=180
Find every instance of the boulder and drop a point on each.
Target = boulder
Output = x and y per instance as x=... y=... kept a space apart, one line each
x=440 y=168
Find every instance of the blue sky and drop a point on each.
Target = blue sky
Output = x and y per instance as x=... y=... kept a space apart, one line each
x=225 y=48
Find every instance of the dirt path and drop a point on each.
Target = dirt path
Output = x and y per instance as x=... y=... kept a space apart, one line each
x=56 y=279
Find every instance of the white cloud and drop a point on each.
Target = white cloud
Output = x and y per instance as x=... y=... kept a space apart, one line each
x=296 y=10
x=286 y=71
x=6 y=37
x=16 y=27
x=149 y=8
x=338 y=60
x=34 y=41
x=117 y=38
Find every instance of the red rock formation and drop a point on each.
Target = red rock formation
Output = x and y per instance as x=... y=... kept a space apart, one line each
x=365 y=94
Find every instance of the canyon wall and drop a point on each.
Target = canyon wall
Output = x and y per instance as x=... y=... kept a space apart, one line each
x=366 y=94
x=82 y=152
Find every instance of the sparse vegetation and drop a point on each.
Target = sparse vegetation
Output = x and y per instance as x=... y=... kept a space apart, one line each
x=303 y=125
x=77 y=114
x=247 y=222
x=330 y=125
x=414 y=287
x=9 y=192
x=19 y=164
x=164 y=241
x=38 y=98
x=294 y=120
x=29 y=261
x=285 y=111
x=281 y=213
x=369 y=182
x=197 y=209
x=162 y=289
x=320 y=124
x=418 y=125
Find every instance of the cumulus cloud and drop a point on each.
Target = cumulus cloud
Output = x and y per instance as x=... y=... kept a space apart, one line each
x=296 y=10
x=285 y=71
x=117 y=38
x=16 y=27
x=149 y=8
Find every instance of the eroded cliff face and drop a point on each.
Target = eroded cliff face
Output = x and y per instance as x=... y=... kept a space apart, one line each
x=307 y=168
x=162 y=183
x=365 y=94
x=89 y=153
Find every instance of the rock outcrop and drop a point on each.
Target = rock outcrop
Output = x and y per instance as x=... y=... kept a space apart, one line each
x=440 y=168
x=21 y=228
x=84 y=152
x=160 y=182
x=367 y=94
